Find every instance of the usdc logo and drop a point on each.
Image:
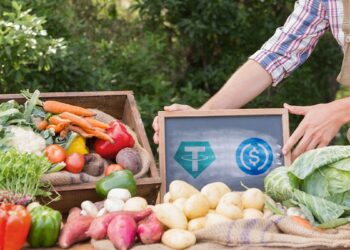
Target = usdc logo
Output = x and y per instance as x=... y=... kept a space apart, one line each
x=195 y=156
x=254 y=156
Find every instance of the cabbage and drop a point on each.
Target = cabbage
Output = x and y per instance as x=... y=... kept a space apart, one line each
x=319 y=181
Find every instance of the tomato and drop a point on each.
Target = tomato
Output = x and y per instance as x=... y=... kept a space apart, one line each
x=113 y=167
x=75 y=163
x=55 y=153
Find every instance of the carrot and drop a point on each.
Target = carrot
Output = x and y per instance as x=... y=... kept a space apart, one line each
x=80 y=131
x=100 y=135
x=77 y=120
x=302 y=222
x=42 y=125
x=97 y=123
x=57 y=128
x=64 y=132
x=100 y=129
x=57 y=120
x=60 y=107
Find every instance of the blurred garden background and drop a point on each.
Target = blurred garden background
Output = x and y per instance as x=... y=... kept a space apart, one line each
x=164 y=50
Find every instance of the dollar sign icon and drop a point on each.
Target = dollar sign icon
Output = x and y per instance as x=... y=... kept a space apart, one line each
x=254 y=156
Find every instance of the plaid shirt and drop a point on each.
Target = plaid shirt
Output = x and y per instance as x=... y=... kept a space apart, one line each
x=293 y=43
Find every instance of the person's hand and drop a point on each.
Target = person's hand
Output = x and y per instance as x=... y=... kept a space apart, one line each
x=173 y=107
x=320 y=124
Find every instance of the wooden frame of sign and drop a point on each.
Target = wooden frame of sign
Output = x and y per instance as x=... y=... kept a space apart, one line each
x=214 y=113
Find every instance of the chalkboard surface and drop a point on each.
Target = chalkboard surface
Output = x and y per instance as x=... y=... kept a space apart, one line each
x=231 y=146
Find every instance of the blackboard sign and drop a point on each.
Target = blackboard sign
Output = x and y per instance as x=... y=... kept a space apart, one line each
x=231 y=146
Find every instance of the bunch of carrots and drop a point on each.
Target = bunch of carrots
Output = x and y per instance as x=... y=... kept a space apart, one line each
x=73 y=118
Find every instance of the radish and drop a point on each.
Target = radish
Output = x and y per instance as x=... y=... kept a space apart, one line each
x=150 y=230
x=122 y=231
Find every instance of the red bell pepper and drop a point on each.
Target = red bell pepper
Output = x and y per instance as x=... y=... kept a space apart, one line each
x=14 y=226
x=122 y=139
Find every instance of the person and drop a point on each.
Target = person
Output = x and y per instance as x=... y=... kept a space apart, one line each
x=286 y=50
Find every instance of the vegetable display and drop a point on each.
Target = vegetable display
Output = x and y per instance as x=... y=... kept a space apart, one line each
x=14 y=224
x=45 y=227
x=318 y=183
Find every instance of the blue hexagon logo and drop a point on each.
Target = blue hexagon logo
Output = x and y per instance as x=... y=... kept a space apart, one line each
x=195 y=156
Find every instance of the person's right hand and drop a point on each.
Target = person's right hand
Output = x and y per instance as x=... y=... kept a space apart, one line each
x=173 y=107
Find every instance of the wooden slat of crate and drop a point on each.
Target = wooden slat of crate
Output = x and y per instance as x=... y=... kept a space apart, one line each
x=121 y=105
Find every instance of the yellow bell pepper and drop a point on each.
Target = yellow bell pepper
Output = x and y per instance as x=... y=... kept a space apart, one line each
x=78 y=145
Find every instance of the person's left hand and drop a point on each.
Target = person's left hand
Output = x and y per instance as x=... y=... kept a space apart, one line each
x=320 y=124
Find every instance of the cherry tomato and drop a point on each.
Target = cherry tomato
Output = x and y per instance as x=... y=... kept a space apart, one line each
x=75 y=163
x=113 y=167
x=55 y=153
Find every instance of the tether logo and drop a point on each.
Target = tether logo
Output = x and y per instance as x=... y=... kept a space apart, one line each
x=194 y=156
x=254 y=156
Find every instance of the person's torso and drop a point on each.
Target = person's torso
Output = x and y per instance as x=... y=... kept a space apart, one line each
x=335 y=15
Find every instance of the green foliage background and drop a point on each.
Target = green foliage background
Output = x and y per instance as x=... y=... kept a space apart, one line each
x=164 y=50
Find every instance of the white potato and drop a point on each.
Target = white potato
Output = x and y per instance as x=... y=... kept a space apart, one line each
x=214 y=191
x=181 y=189
x=196 y=224
x=231 y=211
x=253 y=198
x=89 y=208
x=214 y=218
x=135 y=204
x=170 y=215
x=167 y=198
x=180 y=203
x=178 y=239
x=252 y=213
x=196 y=206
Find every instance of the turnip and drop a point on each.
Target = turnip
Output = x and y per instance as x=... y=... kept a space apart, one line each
x=122 y=231
x=253 y=198
x=252 y=213
x=150 y=230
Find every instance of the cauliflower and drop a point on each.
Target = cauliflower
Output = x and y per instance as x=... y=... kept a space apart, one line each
x=26 y=141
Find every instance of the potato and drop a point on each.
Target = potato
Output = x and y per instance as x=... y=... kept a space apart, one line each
x=196 y=224
x=253 y=198
x=167 y=198
x=214 y=218
x=252 y=213
x=230 y=205
x=196 y=206
x=130 y=159
x=170 y=215
x=178 y=239
x=180 y=203
x=180 y=189
x=135 y=204
x=214 y=191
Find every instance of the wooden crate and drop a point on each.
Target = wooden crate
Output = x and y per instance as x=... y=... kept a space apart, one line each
x=121 y=105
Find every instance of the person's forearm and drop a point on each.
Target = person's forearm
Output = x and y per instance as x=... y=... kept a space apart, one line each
x=244 y=85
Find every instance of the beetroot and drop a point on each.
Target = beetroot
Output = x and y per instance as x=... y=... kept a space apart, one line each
x=122 y=231
x=98 y=228
x=75 y=229
x=150 y=230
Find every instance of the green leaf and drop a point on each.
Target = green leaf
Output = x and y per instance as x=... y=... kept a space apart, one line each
x=334 y=223
x=277 y=184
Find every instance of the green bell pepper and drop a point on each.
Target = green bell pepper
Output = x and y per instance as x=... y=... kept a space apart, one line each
x=118 y=179
x=45 y=227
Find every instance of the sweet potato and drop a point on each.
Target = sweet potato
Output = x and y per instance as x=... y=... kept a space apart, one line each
x=150 y=230
x=122 y=231
x=74 y=230
x=99 y=226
